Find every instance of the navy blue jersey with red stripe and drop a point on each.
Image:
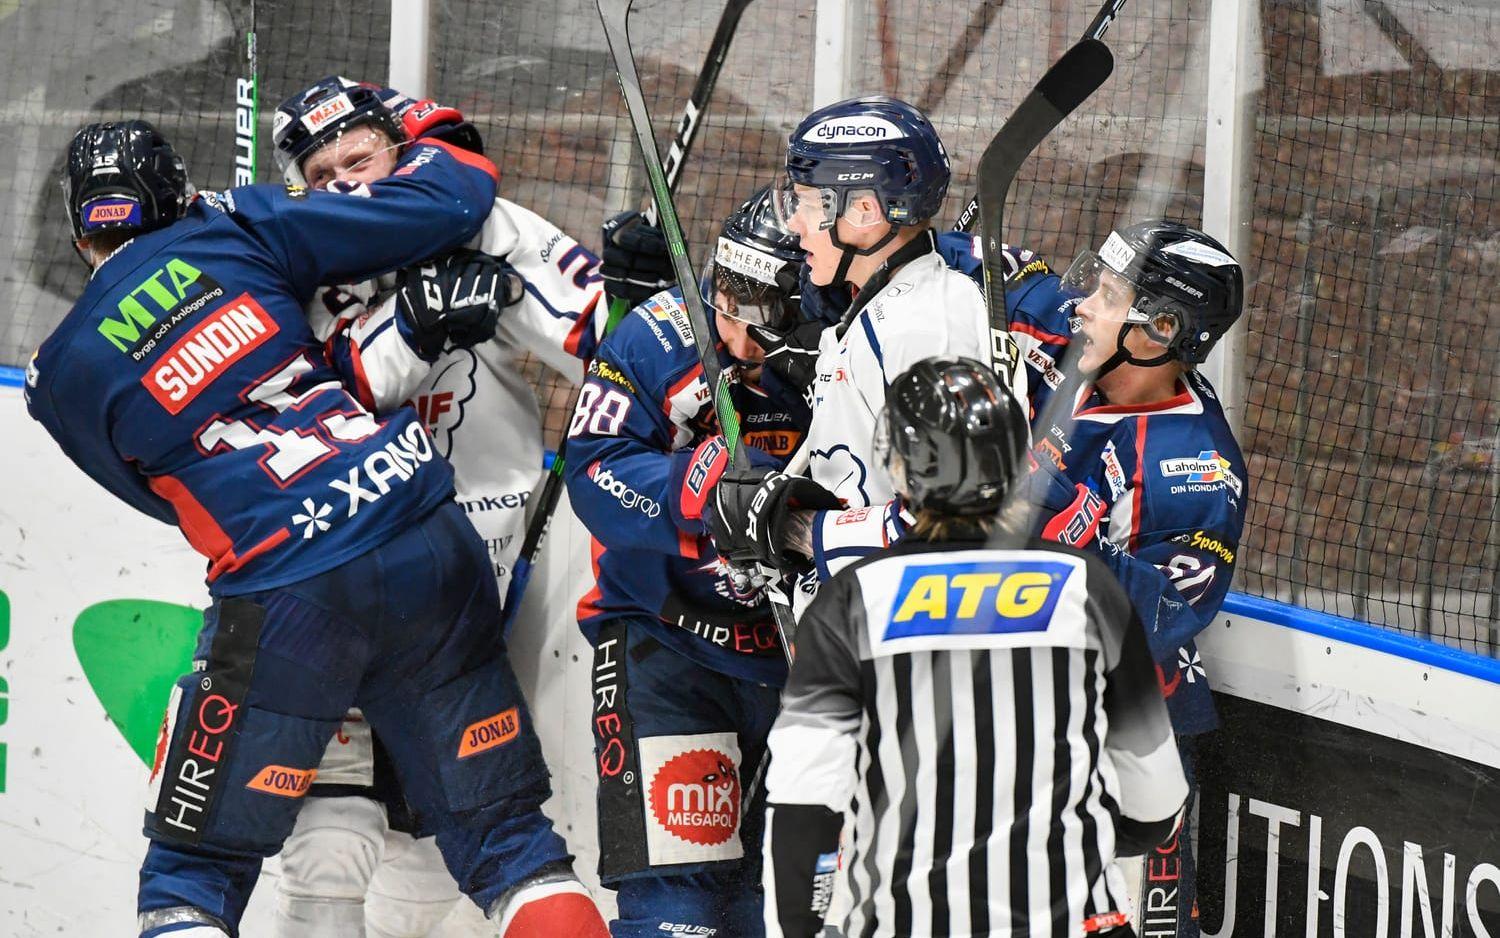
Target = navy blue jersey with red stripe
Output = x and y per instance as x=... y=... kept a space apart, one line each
x=1170 y=479
x=643 y=454
x=187 y=382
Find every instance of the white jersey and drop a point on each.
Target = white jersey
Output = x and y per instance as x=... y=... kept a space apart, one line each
x=926 y=308
x=480 y=410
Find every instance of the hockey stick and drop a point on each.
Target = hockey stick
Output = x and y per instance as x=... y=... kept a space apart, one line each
x=1068 y=83
x=540 y=517
x=247 y=112
x=1097 y=28
x=614 y=14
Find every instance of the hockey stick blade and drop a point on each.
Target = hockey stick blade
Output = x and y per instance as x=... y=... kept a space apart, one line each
x=1068 y=83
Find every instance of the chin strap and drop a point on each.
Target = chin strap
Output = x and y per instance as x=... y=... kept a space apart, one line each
x=1122 y=356
x=908 y=252
x=850 y=253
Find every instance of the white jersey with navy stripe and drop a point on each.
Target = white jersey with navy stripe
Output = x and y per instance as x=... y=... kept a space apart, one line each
x=925 y=309
x=983 y=716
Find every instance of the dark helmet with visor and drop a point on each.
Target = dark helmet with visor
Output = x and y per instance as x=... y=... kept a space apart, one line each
x=1187 y=289
x=756 y=264
x=320 y=114
x=123 y=176
x=952 y=438
x=875 y=145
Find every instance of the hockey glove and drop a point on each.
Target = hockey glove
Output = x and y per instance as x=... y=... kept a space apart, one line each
x=636 y=263
x=456 y=298
x=749 y=512
x=791 y=355
x=1068 y=513
x=822 y=304
x=427 y=118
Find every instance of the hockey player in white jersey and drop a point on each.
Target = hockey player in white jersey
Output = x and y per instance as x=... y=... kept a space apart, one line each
x=424 y=344
x=864 y=177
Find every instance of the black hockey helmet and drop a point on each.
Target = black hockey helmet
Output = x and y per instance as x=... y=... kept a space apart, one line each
x=322 y=112
x=1189 y=290
x=123 y=176
x=756 y=263
x=952 y=438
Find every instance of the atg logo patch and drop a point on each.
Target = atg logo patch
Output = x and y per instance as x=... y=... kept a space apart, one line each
x=980 y=598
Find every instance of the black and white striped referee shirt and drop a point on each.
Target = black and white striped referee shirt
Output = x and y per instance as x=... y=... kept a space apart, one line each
x=989 y=718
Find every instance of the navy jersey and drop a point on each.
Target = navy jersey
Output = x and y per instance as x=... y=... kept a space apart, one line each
x=1170 y=479
x=187 y=382
x=643 y=455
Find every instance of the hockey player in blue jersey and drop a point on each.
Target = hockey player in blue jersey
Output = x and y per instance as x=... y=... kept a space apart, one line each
x=186 y=381
x=688 y=662
x=1144 y=451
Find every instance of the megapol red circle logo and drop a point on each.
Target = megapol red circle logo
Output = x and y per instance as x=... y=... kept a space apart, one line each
x=696 y=797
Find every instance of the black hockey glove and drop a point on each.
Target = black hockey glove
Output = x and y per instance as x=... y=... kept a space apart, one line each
x=824 y=304
x=792 y=355
x=455 y=299
x=636 y=263
x=749 y=511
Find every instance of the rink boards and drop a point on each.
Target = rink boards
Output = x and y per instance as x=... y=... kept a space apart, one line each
x=1358 y=771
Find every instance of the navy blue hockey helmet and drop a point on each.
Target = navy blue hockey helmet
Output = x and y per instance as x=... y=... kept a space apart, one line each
x=873 y=144
x=330 y=107
x=952 y=438
x=756 y=263
x=1186 y=290
x=123 y=176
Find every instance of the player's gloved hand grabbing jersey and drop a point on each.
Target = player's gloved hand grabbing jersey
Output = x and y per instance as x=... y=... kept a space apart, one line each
x=791 y=354
x=422 y=117
x=636 y=264
x=751 y=513
x=454 y=299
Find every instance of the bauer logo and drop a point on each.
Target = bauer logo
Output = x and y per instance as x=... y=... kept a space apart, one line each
x=112 y=212
x=693 y=797
x=282 y=780
x=490 y=732
x=852 y=129
x=977 y=598
x=327 y=112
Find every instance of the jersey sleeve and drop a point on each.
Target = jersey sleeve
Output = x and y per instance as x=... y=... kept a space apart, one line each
x=371 y=352
x=812 y=770
x=93 y=451
x=839 y=538
x=436 y=200
x=627 y=459
x=561 y=318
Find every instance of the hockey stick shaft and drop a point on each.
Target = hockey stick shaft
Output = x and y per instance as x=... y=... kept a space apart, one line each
x=614 y=14
x=247 y=112
x=682 y=143
x=1107 y=14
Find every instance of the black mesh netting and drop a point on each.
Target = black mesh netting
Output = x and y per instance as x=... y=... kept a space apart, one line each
x=1372 y=350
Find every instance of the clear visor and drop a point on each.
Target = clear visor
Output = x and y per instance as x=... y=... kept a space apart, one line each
x=817 y=208
x=1110 y=295
x=345 y=152
x=771 y=315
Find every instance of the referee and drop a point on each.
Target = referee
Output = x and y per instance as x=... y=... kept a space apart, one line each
x=990 y=717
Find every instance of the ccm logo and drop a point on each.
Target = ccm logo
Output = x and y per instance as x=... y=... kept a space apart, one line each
x=855 y=177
